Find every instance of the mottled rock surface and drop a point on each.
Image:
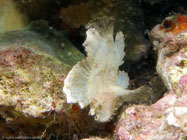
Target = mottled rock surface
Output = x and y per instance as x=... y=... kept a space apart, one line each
x=33 y=66
x=166 y=119
x=169 y=40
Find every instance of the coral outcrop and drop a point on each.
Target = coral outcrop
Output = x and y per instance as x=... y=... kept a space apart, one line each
x=169 y=40
x=166 y=119
x=33 y=67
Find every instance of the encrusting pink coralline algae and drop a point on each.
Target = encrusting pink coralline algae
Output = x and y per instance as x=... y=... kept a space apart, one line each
x=167 y=118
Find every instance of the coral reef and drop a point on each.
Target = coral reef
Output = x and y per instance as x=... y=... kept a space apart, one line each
x=166 y=119
x=33 y=67
x=28 y=80
x=11 y=16
x=169 y=39
x=96 y=80
x=156 y=10
x=35 y=61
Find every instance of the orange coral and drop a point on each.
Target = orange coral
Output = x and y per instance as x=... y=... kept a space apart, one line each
x=182 y=24
x=175 y=25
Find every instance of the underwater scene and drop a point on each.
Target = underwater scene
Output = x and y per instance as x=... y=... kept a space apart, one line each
x=93 y=70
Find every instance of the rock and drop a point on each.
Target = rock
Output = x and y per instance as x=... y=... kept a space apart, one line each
x=165 y=119
x=33 y=65
x=169 y=40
